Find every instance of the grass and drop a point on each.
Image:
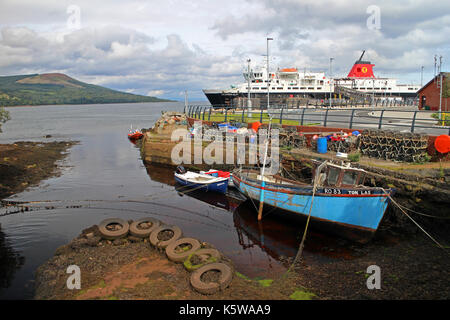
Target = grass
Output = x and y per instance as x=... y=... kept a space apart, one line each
x=220 y=117
x=265 y=282
x=354 y=157
x=302 y=295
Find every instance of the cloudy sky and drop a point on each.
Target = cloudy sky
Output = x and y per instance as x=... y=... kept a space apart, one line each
x=162 y=48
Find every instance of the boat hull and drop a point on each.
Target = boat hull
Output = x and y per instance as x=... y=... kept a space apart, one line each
x=220 y=186
x=347 y=212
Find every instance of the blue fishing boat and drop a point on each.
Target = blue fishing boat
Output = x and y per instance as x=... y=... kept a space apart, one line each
x=200 y=181
x=341 y=203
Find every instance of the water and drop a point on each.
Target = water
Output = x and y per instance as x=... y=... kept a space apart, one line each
x=106 y=169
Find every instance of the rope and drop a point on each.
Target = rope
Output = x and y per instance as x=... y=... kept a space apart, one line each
x=302 y=243
x=421 y=214
x=393 y=201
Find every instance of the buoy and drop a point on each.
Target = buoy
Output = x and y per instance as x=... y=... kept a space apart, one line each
x=442 y=143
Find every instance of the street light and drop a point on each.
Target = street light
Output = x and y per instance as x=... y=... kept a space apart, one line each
x=249 y=103
x=421 y=76
x=268 y=74
x=331 y=77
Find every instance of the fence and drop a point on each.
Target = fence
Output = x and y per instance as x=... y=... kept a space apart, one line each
x=397 y=119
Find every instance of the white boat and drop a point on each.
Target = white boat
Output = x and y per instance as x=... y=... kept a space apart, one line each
x=201 y=181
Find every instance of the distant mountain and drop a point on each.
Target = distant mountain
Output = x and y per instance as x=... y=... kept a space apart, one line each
x=58 y=88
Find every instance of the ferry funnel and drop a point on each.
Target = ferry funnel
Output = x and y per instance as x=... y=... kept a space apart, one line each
x=361 y=69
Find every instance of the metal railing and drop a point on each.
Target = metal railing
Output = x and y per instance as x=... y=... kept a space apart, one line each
x=360 y=118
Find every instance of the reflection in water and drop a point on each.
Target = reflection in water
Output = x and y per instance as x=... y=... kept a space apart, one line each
x=10 y=262
x=277 y=237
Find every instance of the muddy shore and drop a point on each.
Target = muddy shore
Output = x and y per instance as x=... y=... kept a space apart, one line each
x=411 y=268
x=131 y=269
x=25 y=164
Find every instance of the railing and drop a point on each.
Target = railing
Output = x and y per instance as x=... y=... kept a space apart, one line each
x=361 y=118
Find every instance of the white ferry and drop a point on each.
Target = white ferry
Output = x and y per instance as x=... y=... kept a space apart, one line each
x=290 y=82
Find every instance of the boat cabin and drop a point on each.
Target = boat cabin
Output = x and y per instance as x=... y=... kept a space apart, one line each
x=334 y=175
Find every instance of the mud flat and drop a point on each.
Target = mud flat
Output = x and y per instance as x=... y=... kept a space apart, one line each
x=132 y=269
x=25 y=164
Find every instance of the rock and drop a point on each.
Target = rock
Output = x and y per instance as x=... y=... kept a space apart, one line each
x=117 y=242
x=89 y=235
x=93 y=241
x=134 y=239
x=78 y=243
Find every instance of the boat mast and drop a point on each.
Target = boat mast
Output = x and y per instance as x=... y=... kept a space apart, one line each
x=263 y=182
x=268 y=74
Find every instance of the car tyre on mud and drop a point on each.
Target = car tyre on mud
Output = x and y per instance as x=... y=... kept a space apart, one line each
x=180 y=257
x=213 y=256
x=177 y=233
x=226 y=276
x=143 y=233
x=113 y=234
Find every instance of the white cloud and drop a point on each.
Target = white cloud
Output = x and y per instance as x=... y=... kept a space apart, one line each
x=171 y=46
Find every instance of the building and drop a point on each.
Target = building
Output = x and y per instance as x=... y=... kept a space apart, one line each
x=429 y=94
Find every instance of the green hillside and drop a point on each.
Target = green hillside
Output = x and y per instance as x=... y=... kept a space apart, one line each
x=57 y=88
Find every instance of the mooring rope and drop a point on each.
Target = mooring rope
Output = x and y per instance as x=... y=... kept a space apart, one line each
x=435 y=241
x=302 y=243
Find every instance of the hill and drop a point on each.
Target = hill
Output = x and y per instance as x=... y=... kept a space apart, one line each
x=57 y=88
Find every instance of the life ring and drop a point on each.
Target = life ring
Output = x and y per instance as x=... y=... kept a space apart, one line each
x=143 y=233
x=175 y=256
x=113 y=234
x=226 y=276
x=207 y=255
x=177 y=233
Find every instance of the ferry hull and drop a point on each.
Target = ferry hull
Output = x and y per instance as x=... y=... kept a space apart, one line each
x=219 y=98
x=353 y=216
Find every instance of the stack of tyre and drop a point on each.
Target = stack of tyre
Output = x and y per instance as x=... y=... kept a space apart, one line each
x=195 y=257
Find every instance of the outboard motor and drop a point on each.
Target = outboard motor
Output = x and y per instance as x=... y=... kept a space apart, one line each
x=180 y=170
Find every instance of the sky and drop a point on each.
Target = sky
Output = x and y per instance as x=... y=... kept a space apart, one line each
x=162 y=48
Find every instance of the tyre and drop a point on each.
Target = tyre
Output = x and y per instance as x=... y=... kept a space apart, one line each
x=226 y=275
x=155 y=241
x=107 y=233
x=206 y=256
x=176 y=256
x=136 y=231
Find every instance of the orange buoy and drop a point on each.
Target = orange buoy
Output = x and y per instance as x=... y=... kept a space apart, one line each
x=442 y=143
x=256 y=125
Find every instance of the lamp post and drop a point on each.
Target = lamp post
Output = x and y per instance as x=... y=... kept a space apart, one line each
x=249 y=103
x=268 y=73
x=331 y=77
x=421 y=76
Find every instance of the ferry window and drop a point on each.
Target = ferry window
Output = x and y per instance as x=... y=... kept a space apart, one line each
x=289 y=88
x=362 y=88
x=333 y=175
x=319 y=88
x=255 y=88
x=350 y=177
x=295 y=88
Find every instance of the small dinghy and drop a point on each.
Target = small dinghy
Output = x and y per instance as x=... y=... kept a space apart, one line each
x=200 y=181
x=222 y=174
x=135 y=134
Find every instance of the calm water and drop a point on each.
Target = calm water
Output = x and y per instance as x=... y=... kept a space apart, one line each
x=106 y=177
